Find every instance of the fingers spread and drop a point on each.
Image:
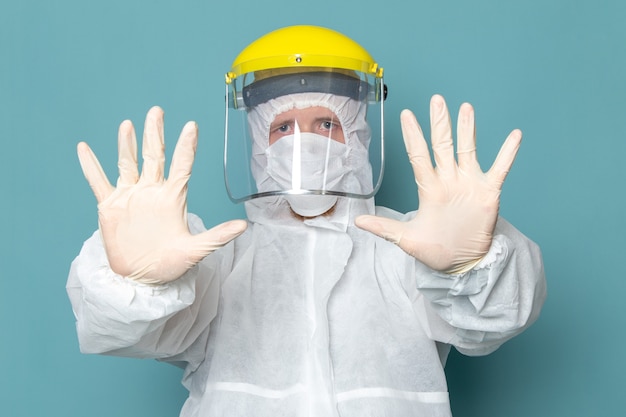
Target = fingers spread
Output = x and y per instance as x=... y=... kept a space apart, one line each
x=153 y=149
x=94 y=173
x=127 y=154
x=505 y=158
x=441 y=135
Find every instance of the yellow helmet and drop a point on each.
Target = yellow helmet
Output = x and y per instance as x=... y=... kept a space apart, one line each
x=297 y=47
x=303 y=66
x=303 y=59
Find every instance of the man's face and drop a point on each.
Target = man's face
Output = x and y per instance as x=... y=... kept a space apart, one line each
x=318 y=120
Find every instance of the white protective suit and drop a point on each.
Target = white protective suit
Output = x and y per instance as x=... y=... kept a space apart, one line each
x=311 y=317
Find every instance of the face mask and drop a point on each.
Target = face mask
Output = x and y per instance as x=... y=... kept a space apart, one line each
x=313 y=162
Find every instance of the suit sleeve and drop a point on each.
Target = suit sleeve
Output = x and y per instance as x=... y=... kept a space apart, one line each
x=479 y=310
x=118 y=316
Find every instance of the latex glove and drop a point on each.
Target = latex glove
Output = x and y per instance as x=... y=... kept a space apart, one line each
x=143 y=221
x=458 y=203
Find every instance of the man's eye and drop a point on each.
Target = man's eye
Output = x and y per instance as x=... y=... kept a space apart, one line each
x=283 y=128
x=330 y=125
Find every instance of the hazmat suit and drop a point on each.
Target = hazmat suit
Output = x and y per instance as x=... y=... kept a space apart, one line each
x=303 y=313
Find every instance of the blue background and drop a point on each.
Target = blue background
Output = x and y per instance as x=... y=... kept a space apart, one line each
x=72 y=70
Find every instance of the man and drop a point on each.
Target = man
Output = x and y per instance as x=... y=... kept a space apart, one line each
x=321 y=304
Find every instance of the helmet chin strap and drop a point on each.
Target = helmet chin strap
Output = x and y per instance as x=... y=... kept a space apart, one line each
x=311 y=205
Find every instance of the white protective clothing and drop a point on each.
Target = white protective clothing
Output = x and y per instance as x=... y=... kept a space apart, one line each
x=313 y=317
x=310 y=319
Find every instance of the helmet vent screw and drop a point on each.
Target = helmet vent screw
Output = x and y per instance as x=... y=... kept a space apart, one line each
x=299 y=59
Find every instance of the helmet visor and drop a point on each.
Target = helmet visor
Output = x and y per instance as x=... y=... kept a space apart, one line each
x=313 y=131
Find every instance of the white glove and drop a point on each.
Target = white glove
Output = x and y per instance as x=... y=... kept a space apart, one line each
x=143 y=221
x=458 y=203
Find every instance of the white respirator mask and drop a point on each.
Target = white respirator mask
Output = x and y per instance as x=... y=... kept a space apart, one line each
x=308 y=161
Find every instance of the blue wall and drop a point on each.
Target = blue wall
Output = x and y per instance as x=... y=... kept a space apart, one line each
x=72 y=70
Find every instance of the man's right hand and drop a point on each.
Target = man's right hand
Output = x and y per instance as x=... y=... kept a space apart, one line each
x=143 y=221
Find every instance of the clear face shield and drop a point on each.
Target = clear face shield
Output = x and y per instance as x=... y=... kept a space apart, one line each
x=311 y=136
